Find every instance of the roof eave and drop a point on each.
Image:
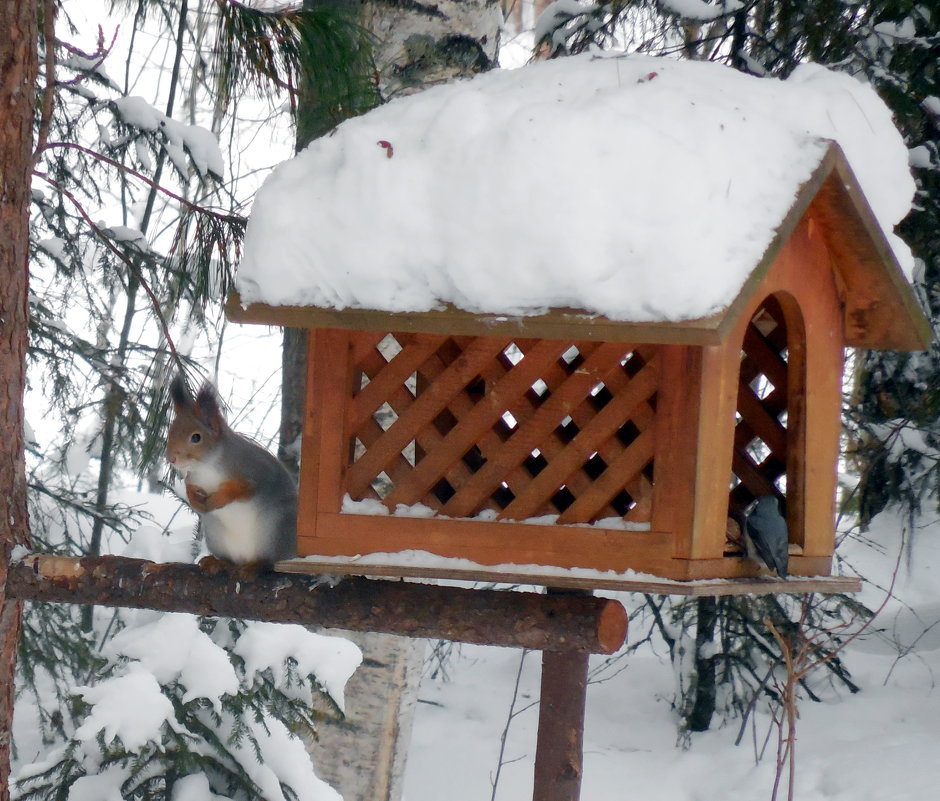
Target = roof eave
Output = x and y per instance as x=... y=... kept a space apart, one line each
x=571 y=324
x=881 y=310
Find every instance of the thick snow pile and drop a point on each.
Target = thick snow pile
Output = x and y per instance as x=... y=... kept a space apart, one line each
x=879 y=743
x=635 y=187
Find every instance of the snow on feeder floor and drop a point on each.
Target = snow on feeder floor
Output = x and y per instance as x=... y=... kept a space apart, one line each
x=584 y=315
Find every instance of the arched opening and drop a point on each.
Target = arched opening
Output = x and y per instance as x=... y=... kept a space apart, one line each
x=769 y=434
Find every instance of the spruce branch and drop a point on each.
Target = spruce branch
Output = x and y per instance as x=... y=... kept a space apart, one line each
x=153 y=184
x=133 y=268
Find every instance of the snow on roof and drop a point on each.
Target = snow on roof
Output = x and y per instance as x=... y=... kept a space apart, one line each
x=638 y=188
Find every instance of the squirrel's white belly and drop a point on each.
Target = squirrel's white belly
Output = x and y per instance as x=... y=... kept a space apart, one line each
x=236 y=532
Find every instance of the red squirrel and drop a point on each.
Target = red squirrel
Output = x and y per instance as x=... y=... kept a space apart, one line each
x=245 y=498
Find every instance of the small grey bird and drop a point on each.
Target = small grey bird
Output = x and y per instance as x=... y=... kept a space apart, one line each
x=766 y=535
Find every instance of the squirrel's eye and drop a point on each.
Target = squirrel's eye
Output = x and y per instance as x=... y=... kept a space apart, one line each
x=197 y=437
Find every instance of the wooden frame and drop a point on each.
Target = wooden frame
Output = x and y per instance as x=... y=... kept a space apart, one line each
x=679 y=402
x=658 y=424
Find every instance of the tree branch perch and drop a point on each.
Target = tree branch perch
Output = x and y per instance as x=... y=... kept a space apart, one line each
x=485 y=617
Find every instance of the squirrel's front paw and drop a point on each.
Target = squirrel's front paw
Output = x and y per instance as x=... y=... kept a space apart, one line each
x=198 y=498
x=213 y=565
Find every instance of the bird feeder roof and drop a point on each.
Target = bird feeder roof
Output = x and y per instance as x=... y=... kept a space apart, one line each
x=643 y=196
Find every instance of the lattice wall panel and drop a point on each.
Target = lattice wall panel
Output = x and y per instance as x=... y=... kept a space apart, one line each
x=759 y=462
x=507 y=428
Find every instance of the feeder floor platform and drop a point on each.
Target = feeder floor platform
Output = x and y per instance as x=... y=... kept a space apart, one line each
x=442 y=568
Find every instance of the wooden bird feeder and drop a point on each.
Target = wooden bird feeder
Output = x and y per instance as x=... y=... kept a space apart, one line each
x=566 y=440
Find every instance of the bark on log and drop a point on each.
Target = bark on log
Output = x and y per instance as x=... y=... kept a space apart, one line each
x=485 y=617
x=559 y=752
x=559 y=749
x=19 y=65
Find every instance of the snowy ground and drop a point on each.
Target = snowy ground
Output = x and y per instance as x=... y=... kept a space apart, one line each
x=883 y=743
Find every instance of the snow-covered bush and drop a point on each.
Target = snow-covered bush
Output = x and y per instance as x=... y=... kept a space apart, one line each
x=193 y=709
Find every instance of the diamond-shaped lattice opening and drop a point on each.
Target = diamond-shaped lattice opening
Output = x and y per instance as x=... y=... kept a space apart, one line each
x=761 y=442
x=519 y=427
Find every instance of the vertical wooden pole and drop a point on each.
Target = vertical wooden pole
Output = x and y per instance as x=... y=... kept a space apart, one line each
x=559 y=749
x=323 y=441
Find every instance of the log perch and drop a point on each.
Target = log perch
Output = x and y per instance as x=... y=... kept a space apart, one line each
x=484 y=617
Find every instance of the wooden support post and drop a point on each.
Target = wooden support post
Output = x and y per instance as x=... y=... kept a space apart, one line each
x=485 y=617
x=560 y=744
x=559 y=750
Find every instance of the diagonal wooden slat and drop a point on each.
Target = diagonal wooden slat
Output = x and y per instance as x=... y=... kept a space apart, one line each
x=393 y=375
x=760 y=421
x=523 y=410
x=641 y=417
x=757 y=481
x=426 y=438
x=630 y=462
x=579 y=481
x=363 y=343
x=534 y=427
x=483 y=415
x=766 y=358
x=421 y=413
x=461 y=404
x=641 y=490
x=588 y=440
x=368 y=434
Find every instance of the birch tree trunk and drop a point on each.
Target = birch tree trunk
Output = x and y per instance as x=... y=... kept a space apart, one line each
x=417 y=45
x=18 y=70
x=423 y=44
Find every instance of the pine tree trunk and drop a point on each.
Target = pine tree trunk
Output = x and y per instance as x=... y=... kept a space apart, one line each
x=18 y=70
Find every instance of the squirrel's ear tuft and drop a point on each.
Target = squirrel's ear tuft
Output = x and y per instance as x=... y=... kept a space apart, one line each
x=209 y=411
x=179 y=393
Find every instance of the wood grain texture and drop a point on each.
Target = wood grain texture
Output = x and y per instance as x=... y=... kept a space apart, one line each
x=743 y=577
x=486 y=617
x=19 y=66
x=559 y=757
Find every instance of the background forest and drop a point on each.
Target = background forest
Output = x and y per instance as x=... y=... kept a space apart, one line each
x=157 y=122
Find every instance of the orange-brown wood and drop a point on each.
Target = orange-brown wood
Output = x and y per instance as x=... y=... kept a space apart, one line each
x=390 y=378
x=801 y=280
x=471 y=413
x=744 y=584
x=421 y=413
x=819 y=395
x=630 y=462
x=609 y=450
x=448 y=320
x=481 y=418
x=760 y=421
x=720 y=367
x=324 y=444
x=536 y=426
x=505 y=467
x=493 y=543
x=677 y=433
x=399 y=394
x=586 y=442
x=763 y=442
x=881 y=311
